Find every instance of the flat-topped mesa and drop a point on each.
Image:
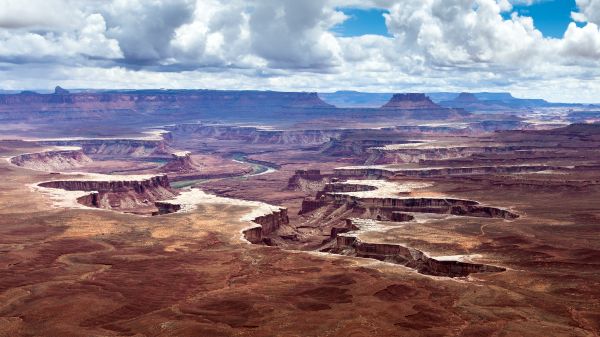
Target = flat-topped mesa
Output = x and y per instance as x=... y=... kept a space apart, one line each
x=60 y=91
x=466 y=97
x=411 y=101
x=137 y=195
x=54 y=160
x=310 y=100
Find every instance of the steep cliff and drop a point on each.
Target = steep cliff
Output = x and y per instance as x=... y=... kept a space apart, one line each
x=181 y=162
x=349 y=244
x=266 y=224
x=135 y=195
x=309 y=181
x=253 y=135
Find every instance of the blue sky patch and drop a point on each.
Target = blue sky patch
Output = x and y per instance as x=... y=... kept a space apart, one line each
x=551 y=17
x=362 y=22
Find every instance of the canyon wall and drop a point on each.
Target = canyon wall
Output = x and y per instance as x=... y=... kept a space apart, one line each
x=254 y=135
x=382 y=172
x=384 y=208
x=136 y=196
x=349 y=244
x=309 y=181
x=267 y=224
x=181 y=163
x=139 y=186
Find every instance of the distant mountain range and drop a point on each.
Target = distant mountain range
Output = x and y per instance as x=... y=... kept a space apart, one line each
x=158 y=106
x=485 y=101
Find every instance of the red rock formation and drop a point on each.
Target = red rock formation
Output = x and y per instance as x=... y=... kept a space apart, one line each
x=348 y=244
x=308 y=181
x=129 y=196
x=363 y=172
x=254 y=235
x=181 y=163
x=309 y=205
x=384 y=208
x=267 y=224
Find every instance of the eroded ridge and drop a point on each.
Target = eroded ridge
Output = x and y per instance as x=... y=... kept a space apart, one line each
x=60 y=158
x=349 y=244
x=131 y=194
x=382 y=205
x=385 y=171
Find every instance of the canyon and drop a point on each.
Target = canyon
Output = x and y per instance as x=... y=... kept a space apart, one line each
x=251 y=213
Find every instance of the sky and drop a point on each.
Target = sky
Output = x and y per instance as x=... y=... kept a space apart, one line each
x=533 y=48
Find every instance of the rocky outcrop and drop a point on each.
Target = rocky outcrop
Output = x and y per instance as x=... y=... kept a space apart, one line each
x=267 y=224
x=391 y=208
x=60 y=91
x=349 y=244
x=125 y=195
x=344 y=187
x=382 y=172
x=309 y=205
x=430 y=154
x=352 y=147
x=411 y=258
x=370 y=172
x=401 y=217
x=271 y=222
x=411 y=101
x=253 y=235
x=166 y=208
x=309 y=181
x=181 y=162
x=52 y=160
x=116 y=147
